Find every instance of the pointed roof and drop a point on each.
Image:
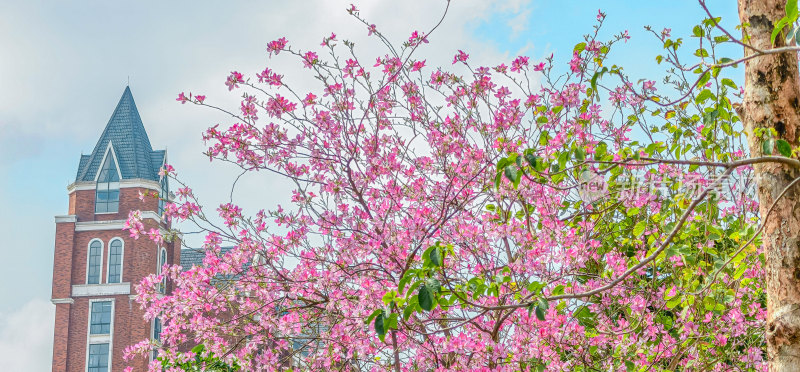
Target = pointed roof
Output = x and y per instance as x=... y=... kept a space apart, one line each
x=126 y=133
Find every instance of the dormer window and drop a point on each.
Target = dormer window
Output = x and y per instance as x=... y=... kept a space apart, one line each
x=107 y=195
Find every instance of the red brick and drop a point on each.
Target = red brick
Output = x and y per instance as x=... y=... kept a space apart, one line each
x=69 y=268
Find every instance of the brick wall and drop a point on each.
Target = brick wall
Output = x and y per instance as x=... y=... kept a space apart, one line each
x=70 y=264
x=128 y=201
x=60 y=338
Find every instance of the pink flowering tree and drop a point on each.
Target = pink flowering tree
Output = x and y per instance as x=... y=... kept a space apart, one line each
x=525 y=216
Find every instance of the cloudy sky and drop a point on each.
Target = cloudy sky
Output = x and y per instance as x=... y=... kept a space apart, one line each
x=64 y=65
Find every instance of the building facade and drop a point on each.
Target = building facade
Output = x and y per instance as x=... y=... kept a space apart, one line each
x=97 y=264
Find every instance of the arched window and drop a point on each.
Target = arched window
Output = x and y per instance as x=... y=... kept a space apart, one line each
x=115 y=254
x=95 y=262
x=107 y=196
x=163 y=195
x=156 y=335
x=162 y=259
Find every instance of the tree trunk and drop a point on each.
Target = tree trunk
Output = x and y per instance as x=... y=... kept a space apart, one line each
x=772 y=88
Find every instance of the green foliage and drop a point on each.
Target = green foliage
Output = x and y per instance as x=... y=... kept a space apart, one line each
x=202 y=361
x=789 y=19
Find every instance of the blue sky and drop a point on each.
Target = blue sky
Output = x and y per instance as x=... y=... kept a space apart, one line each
x=64 y=66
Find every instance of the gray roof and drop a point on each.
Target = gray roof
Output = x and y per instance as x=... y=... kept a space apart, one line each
x=194 y=257
x=126 y=133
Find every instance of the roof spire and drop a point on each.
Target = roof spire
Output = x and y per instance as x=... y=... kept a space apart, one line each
x=129 y=139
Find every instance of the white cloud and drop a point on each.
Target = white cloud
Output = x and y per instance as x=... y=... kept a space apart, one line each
x=26 y=337
x=519 y=23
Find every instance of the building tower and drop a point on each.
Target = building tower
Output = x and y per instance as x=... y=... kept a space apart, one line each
x=97 y=264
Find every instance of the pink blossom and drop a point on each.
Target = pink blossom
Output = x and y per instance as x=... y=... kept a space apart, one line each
x=575 y=62
x=520 y=63
x=309 y=100
x=418 y=65
x=460 y=57
x=276 y=46
x=326 y=41
x=416 y=38
x=269 y=77
x=310 y=59
x=234 y=79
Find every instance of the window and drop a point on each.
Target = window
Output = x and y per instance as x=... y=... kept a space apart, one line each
x=162 y=259
x=100 y=320
x=107 y=195
x=115 y=261
x=95 y=262
x=156 y=335
x=98 y=358
x=163 y=195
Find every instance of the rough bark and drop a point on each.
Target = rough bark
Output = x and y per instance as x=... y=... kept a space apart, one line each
x=772 y=88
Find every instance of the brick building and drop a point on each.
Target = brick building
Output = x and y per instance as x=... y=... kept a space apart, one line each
x=96 y=263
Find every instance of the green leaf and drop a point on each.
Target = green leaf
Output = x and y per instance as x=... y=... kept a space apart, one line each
x=790 y=36
x=784 y=148
x=433 y=285
x=629 y=366
x=425 y=298
x=531 y=159
x=580 y=155
x=437 y=256
x=390 y=322
x=512 y=173
x=415 y=285
x=766 y=147
x=380 y=327
x=404 y=282
x=673 y=302
x=535 y=287
x=739 y=271
x=729 y=83
x=703 y=96
x=408 y=311
x=540 y=313
x=543 y=303
x=638 y=230
x=791 y=10
x=780 y=25
x=198 y=349
x=596 y=76
x=709 y=303
x=704 y=79
x=698 y=31
x=701 y=52
x=372 y=316
x=600 y=150
x=579 y=47
x=504 y=162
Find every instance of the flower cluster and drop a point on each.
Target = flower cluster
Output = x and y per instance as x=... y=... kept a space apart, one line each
x=440 y=222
